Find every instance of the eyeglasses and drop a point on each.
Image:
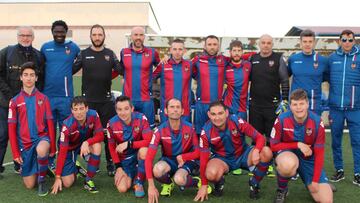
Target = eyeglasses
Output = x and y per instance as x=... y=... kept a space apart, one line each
x=21 y=35
x=350 y=40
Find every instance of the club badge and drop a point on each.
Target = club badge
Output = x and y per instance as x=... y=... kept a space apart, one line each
x=316 y=65
x=186 y=136
x=146 y=54
x=316 y=60
x=271 y=63
x=308 y=131
x=91 y=126
x=136 y=129
x=353 y=65
x=186 y=68
x=107 y=57
x=234 y=132
x=219 y=60
x=40 y=102
x=67 y=50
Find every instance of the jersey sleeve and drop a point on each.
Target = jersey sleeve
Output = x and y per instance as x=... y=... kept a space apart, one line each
x=150 y=155
x=12 y=124
x=250 y=131
x=319 y=152
x=51 y=126
x=63 y=148
x=77 y=65
x=98 y=132
x=195 y=153
x=112 y=145
x=275 y=138
x=156 y=58
x=117 y=66
x=157 y=72
x=194 y=68
x=204 y=156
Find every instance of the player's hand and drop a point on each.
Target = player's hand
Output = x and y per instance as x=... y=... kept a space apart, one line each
x=153 y=194
x=85 y=150
x=165 y=59
x=314 y=187
x=180 y=161
x=255 y=157
x=201 y=194
x=120 y=174
x=305 y=149
x=57 y=186
x=19 y=160
x=283 y=107
x=122 y=147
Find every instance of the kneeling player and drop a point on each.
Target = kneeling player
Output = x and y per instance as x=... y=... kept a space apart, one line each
x=223 y=136
x=298 y=137
x=180 y=151
x=31 y=130
x=82 y=134
x=129 y=136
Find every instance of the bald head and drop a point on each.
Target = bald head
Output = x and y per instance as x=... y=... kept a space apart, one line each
x=266 y=45
x=137 y=37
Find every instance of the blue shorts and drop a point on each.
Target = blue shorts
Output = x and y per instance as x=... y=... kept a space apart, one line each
x=190 y=166
x=236 y=163
x=201 y=116
x=29 y=166
x=70 y=162
x=306 y=169
x=60 y=109
x=147 y=108
x=129 y=165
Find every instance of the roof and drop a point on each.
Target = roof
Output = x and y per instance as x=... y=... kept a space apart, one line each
x=327 y=31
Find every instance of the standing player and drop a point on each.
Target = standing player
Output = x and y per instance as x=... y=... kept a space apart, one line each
x=11 y=59
x=209 y=72
x=138 y=62
x=344 y=102
x=97 y=63
x=129 y=136
x=298 y=138
x=175 y=79
x=307 y=68
x=31 y=130
x=82 y=134
x=180 y=151
x=223 y=139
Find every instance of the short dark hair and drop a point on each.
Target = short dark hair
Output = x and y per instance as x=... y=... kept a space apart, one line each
x=59 y=23
x=168 y=101
x=177 y=40
x=79 y=100
x=298 y=94
x=217 y=103
x=28 y=65
x=211 y=37
x=97 y=26
x=307 y=33
x=123 y=98
x=235 y=43
x=347 y=32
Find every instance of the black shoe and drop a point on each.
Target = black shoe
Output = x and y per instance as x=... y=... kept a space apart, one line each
x=339 y=175
x=17 y=168
x=42 y=189
x=254 y=191
x=2 y=169
x=110 y=169
x=281 y=195
x=356 y=180
x=219 y=188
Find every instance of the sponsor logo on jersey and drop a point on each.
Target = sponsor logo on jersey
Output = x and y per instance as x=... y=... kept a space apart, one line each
x=50 y=49
x=89 y=57
x=166 y=69
x=298 y=62
x=127 y=55
x=337 y=62
x=255 y=62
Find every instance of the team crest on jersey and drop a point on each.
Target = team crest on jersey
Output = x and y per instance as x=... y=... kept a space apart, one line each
x=91 y=126
x=271 y=63
x=40 y=102
x=353 y=65
x=186 y=136
x=67 y=50
x=234 y=132
x=136 y=129
x=186 y=68
x=316 y=65
x=219 y=60
x=107 y=57
x=146 y=54
x=308 y=131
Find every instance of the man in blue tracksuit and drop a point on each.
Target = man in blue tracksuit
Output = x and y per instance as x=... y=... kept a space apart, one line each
x=59 y=57
x=307 y=69
x=344 y=102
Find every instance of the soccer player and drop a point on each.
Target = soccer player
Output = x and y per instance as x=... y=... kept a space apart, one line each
x=175 y=80
x=129 y=136
x=97 y=63
x=31 y=130
x=307 y=69
x=81 y=134
x=298 y=139
x=344 y=102
x=180 y=153
x=222 y=139
x=209 y=72
x=11 y=59
x=138 y=62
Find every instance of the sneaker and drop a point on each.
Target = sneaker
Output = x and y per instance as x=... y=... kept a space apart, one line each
x=270 y=172
x=139 y=190
x=42 y=189
x=166 y=189
x=339 y=175
x=237 y=172
x=219 y=188
x=281 y=195
x=90 y=186
x=295 y=177
x=254 y=191
x=209 y=189
x=81 y=170
x=110 y=169
x=356 y=180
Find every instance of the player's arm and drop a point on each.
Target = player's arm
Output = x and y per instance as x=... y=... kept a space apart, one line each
x=77 y=65
x=275 y=138
x=98 y=133
x=117 y=66
x=146 y=134
x=156 y=58
x=51 y=127
x=284 y=79
x=204 y=159
x=194 y=68
x=4 y=87
x=63 y=149
x=319 y=152
x=195 y=154
x=157 y=72
x=112 y=147
x=250 y=131
x=12 y=124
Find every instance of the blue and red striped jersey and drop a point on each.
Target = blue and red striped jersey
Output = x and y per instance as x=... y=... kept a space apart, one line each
x=237 y=81
x=30 y=114
x=287 y=133
x=209 y=72
x=73 y=135
x=138 y=68
x=175 y=82
x=138 y=132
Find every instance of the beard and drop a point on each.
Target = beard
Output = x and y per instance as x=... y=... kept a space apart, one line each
x=96 y=44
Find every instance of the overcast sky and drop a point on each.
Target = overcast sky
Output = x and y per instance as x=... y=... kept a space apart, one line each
x=242 y=18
